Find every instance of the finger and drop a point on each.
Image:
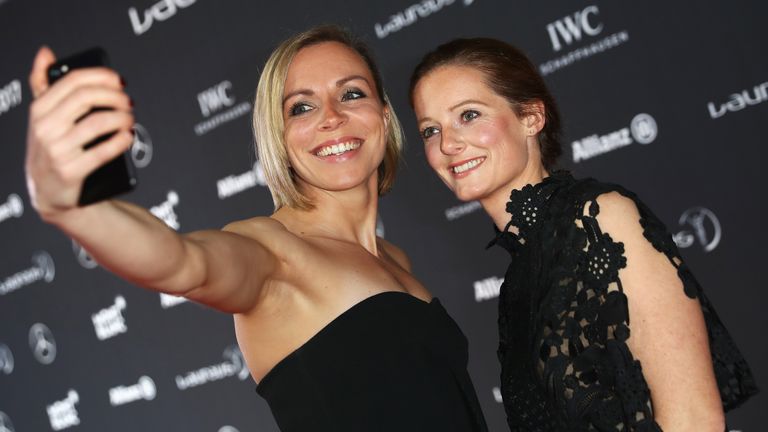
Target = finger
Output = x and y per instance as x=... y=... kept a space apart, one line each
x=38 y=77
x=70 y=83
x=82 y=101
x=98 y=155
x=92 y=127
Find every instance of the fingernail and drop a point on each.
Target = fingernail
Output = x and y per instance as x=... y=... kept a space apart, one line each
x=122 y=81
x=130 y=101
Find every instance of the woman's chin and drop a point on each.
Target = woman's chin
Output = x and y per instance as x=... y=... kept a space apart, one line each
x=467 y=195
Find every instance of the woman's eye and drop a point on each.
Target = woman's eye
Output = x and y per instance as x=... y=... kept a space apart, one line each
x=469 y=115
x=352 y=94
x=427 y=132
x=299 y=108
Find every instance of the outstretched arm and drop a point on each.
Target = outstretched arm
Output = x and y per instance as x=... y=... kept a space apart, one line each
x=212 y=267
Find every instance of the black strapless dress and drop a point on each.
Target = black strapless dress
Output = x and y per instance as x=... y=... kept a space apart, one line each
x=390 y=363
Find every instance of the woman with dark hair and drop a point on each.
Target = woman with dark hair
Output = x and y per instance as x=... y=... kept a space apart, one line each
x=334 y=328
x=586 y=256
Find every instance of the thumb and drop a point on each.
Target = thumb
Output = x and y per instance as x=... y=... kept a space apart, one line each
x=38 y=78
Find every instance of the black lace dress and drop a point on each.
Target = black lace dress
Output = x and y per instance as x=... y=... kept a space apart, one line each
x=564 y=321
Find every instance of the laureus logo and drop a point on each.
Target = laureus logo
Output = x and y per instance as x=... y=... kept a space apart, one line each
x=233 y=365
x=42 y=269
x=160 y=11
x=703 y=228
x=42 y=343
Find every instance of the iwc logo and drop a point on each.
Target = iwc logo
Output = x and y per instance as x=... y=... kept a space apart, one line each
x=42 y=343
x=704 y=229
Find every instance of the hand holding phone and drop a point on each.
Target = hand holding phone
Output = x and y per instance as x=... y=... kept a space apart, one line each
x=116 y=176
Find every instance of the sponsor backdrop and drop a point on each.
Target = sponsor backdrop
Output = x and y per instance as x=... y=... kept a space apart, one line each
x=667 y=99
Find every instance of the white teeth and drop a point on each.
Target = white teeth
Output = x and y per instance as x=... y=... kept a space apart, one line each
x=338 y=149
x=467 y=165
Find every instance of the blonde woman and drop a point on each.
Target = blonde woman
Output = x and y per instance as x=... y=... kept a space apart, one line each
x=334 y=328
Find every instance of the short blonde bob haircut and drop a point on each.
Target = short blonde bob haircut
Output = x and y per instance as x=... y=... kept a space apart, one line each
x=269 y=127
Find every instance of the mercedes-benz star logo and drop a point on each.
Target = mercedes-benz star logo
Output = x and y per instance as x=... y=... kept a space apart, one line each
x=42 y=343
x=6 y=361
x=83 y=257
x=141 y=150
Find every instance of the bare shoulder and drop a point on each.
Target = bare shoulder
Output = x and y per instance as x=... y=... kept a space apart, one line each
x=256 y=225
x=269 y=232
x=618 y=213
x=396 y=254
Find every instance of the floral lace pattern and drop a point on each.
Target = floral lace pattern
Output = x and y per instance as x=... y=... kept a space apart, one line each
x=564 y=318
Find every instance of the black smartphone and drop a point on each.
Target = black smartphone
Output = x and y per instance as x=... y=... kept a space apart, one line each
x=116 y=176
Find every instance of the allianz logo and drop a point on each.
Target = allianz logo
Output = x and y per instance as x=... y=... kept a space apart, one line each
x=166 y=212
x=570 y=28
x=145 y=389
x=642 y=129
x=109 y=322
x=739 y=101
x=488 y=288
x=234 y=184
x=12 y=207
x=63 y=414
x=233 y=365
x=160 y=11
x=10 y=96
x=411 y=14
x=43 y=269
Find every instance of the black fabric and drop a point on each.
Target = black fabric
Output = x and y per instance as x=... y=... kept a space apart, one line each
x=564 y=319
x=390 y=363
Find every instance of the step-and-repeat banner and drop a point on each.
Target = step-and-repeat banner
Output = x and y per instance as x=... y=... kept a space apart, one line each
x=666 y=99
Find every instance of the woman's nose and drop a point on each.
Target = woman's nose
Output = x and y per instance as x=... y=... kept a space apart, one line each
x=451 y=143
x=333 y=117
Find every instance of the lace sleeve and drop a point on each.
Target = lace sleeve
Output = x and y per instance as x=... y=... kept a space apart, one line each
x=584 y=357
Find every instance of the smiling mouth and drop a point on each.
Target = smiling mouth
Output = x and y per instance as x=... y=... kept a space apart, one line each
x=466 y=166
x=338 y=149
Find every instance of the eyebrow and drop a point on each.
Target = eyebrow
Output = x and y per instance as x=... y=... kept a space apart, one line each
x=462 y=103
x=468 y=101
x=339 y=83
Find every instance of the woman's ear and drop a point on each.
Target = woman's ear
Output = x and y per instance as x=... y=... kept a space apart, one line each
x=386 y=116
x=535 y=118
